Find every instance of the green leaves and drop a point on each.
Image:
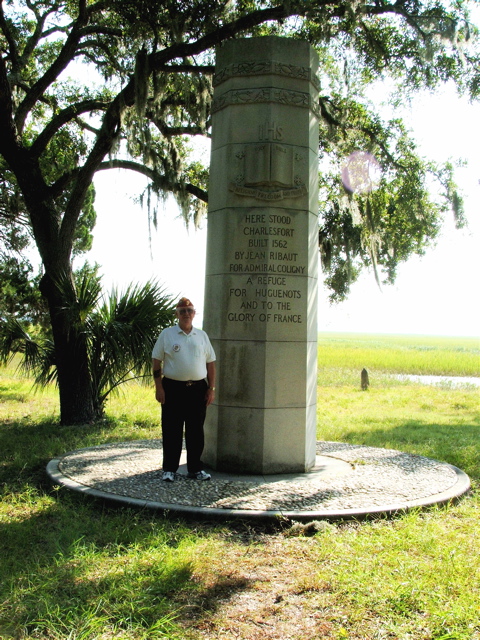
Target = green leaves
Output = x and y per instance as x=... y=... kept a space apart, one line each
x=382 y=226
x=119 y=329
x=121 y=333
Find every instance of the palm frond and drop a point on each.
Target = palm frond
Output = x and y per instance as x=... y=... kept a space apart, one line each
x=121 y=333
x=38 y=353
x=120 y=330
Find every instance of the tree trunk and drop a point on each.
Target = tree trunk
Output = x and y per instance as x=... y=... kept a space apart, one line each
x=77 y=405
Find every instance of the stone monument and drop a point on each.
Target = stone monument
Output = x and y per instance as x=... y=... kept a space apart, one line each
x=262 y=257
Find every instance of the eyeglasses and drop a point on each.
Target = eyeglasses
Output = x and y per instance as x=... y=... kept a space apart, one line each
x=183 y=312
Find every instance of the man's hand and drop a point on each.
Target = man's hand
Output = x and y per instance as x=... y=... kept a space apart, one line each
x=211 y=375
x=157 y=376
x=160 y=394
x=210 y=396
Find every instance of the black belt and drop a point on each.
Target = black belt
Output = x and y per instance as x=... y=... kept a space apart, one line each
x=186 y=383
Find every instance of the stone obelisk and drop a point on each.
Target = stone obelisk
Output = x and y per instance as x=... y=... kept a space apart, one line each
x=260 y=304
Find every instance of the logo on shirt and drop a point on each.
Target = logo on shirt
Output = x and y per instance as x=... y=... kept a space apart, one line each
x=176 y=347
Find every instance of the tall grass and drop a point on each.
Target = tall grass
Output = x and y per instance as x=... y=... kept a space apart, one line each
x=72 y=569
x=400 y=354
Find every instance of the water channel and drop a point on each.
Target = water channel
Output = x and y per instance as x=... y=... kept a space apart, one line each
x=453 y=381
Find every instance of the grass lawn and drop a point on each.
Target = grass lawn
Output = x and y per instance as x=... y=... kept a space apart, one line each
x=72 y=569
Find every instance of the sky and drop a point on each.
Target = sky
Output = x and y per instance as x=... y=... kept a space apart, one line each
x=437 y=294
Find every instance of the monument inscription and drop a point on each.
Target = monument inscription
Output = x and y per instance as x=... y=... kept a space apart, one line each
x=263 y=255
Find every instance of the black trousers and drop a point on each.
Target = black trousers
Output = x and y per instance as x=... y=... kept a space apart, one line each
x=184 y=405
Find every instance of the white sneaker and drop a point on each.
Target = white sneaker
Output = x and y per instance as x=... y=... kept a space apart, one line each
x=200 y=475
x=168 y=476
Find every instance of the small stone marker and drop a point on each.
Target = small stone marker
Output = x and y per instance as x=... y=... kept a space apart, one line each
x=365 y=382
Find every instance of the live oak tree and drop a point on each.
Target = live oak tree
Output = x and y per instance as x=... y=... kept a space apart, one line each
x=19 y=286
x=90 y=85
x=17 y=294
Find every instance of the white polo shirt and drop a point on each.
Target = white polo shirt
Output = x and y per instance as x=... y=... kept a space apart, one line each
x=184 y=355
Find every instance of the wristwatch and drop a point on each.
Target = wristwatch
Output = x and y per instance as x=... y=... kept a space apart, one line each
x=212 y=388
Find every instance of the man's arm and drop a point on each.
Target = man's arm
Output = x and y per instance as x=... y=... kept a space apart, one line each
x=211 y=376
x=157 y=377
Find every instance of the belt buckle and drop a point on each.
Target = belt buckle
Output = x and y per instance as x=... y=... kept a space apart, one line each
x=189 y=383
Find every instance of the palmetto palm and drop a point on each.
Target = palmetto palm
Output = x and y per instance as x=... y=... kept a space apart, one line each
x=119 y=331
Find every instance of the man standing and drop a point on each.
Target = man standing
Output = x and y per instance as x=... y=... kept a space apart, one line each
x=185 y=390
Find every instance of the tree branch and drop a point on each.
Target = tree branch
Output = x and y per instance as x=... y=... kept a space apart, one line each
x=67 y=54
x=9 y=37
x=38 y=33
x=66 y=115
x=159 y=59
x=169 y=132
x=161 y=182
x=8 y=139
x=180 y=68
x=64 y=58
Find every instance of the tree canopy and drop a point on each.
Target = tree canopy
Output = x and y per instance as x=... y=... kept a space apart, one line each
x=90 y=85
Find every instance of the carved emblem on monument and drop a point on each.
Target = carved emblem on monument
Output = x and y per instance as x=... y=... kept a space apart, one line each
x=268 y=171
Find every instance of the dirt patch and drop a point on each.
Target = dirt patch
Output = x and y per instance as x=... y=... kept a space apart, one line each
x=271 y=588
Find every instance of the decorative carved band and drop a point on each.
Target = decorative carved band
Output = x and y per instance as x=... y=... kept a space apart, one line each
x=264 y=67
x=268 y=196
x=265 y=94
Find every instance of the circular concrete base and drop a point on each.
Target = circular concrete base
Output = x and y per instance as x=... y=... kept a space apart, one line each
x=348 y=481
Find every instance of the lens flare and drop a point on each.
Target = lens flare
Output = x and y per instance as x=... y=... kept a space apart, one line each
x=361 y=173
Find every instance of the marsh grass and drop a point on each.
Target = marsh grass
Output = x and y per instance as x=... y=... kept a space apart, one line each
x=400 y=354
x=75 y=569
